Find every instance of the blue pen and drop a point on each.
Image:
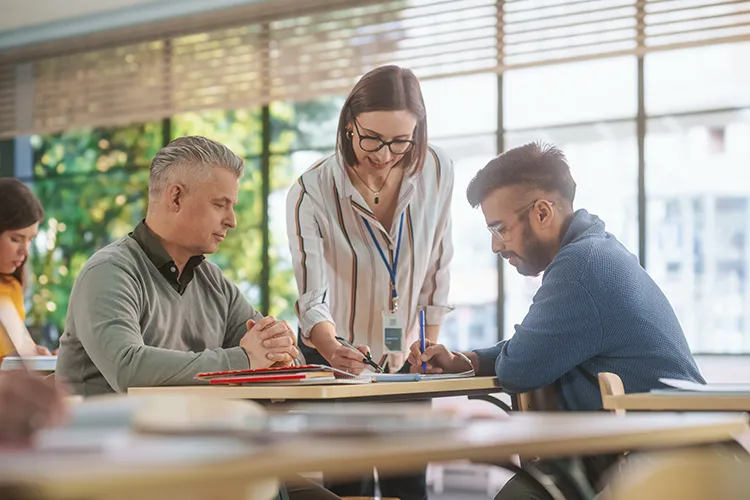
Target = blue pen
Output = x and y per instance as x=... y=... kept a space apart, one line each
x=421 y=338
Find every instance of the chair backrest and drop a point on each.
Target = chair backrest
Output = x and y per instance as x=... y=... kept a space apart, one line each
x=542 y=399
x=611 y=385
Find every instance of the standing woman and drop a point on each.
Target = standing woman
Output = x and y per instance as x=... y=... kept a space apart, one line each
x=370 y=234
x=20 y=215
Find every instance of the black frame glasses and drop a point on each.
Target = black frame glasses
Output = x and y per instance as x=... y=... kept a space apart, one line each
x=499 y=227
x=379 y=143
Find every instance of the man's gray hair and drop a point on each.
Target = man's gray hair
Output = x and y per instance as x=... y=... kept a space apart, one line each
x=187 y=158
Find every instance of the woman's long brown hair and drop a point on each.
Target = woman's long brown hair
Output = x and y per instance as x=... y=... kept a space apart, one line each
x=19 y=209
x=387 y=88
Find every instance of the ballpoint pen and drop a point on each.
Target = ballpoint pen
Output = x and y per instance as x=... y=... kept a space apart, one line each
x=366 y=360
x=421 y=338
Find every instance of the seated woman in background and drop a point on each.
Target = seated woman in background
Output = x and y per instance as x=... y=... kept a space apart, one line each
x=20 y=215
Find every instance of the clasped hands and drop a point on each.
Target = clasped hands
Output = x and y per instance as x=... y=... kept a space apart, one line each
x=269 y=343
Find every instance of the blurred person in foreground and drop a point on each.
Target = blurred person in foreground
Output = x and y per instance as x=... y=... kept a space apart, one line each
x=27 y=404
x=597 y=309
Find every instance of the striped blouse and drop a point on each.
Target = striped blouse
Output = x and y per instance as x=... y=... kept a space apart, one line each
x=340 y=274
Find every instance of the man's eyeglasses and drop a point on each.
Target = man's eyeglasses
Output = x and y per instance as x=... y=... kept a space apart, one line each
x=499 y=229
x=374 y=144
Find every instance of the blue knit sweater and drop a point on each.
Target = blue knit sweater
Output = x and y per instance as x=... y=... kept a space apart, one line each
x=596 y=311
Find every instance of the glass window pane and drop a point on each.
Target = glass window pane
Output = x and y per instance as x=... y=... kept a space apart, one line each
x=603 y=159
x=473 y=293
x=305 y=125
x=238 y=129
x=465 y=126
x=600 y=89
x=95 y=150
x=716 y=76
x=93 y=184
x=302 y=133
x=699 y=222
x=460 y=106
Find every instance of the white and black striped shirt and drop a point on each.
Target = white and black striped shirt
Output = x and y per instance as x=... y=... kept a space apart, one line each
x=340 y=274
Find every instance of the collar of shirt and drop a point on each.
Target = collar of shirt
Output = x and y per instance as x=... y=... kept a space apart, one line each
x=346 y=189
x=159 y=257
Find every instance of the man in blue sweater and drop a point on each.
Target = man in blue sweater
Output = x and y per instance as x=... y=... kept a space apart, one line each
x=597 y=309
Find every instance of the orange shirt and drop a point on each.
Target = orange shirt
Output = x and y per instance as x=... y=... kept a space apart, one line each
x=10 y=288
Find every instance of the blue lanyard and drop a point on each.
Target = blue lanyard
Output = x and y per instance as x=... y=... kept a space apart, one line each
x=391 y=269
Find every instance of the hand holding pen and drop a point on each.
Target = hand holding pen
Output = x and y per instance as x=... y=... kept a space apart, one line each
x=357 y=357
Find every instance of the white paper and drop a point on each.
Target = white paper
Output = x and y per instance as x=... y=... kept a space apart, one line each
x=408 y=377
x=686 y=385
x=33 y=363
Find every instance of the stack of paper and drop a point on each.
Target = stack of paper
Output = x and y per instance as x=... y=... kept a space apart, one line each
x=287 y=375
x=411 y=377
x=687 y=386
x=33 y=363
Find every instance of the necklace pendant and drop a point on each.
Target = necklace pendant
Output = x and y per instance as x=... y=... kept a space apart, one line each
x=377 y=198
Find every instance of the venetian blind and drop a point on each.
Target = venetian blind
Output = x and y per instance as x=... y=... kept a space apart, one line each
x=295 y=50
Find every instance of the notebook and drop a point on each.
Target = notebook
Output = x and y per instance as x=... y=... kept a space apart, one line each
x=298 y=375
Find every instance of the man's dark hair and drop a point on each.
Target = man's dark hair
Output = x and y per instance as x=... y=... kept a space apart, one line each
x=536 y=165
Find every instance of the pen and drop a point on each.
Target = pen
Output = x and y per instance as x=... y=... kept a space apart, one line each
x=366 y=360
x=421 y=338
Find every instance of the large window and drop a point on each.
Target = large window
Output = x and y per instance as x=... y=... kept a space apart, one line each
x=94 y=187
x=698 y=189
x=305 y=132
x=465 y=126
x=696 y=119
x=589 y=112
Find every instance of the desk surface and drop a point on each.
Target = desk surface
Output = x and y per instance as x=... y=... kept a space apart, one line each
x=429 y=388
x=176 y=465
x=677 y=402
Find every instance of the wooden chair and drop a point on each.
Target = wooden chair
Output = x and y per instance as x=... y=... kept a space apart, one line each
x=686 y=475
x=543 y=399
x=611 y=385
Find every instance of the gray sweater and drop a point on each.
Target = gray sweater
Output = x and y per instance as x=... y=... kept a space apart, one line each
x=127 y=326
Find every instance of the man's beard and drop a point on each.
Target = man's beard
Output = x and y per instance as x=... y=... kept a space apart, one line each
x=534 y=260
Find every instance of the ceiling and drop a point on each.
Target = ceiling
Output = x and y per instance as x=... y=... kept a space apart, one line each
x=27 y=13
x=26 y=22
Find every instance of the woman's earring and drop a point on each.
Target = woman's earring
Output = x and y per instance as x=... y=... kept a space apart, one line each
x=349 y=134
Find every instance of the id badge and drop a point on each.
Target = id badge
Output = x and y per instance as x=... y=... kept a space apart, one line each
x=393 y=333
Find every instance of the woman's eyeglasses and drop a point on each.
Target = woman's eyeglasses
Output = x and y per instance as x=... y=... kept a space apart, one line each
x=374 y=144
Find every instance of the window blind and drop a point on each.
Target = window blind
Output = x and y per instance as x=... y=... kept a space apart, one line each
x=296 y=50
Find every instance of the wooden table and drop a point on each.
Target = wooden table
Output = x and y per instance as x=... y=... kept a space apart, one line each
x=646 y=401
x=475 y=387
x=223 y=468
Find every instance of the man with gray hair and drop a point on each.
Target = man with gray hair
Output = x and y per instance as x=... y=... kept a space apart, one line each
x=148 y=309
